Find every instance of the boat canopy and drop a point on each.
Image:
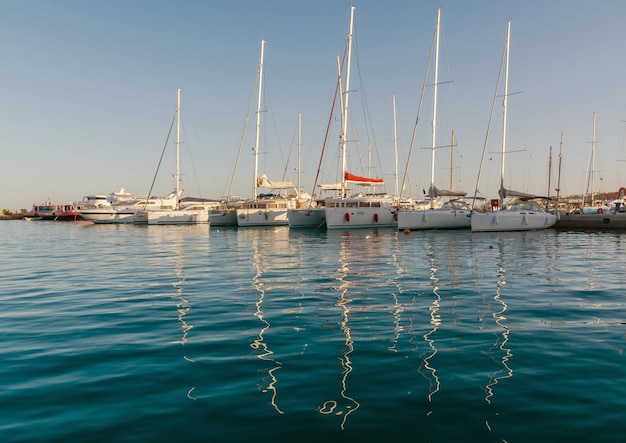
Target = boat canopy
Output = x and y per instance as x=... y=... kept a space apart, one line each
x=363 y=180
x=263 y=182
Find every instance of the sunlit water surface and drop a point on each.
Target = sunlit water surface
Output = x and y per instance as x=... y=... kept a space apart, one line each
x=157 y=333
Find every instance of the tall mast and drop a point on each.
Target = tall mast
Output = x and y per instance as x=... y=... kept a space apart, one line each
x=549 y=178
x=395 y=144
x=593 y=158
x=452 y=161
x=177 y=176
x=299 y=146
x=434 y=128
x=258 y=121
x=558 y=184
x=344 y=121
x=504 y=104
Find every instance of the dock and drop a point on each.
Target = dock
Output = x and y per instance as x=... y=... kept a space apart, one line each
x=591 y=222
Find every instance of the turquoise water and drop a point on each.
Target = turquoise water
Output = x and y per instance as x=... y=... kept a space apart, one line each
x=191 y=333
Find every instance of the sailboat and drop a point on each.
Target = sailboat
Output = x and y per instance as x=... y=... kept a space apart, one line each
x=123 y=208
x=452 y=214
x=313 y=215
x=190 y=213
x=593 y=206
x=308 y=215
x=266 y=209
x=360 y=210
x=522 y=214
x=225 y=212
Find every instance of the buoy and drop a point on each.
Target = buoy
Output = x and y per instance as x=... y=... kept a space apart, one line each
x=347 y=216
x=376 y=218
x=407 y=231
x=600 y=211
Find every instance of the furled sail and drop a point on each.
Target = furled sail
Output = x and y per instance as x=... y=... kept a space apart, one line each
x=330 y=186
x=263 y=182
x=363 y=180
x=504 y=193
x=434 y=191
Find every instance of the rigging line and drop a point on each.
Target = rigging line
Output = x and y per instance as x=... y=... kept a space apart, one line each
x=493 y=105
x=330 y=119
x=188 y=154
x=160 y=160
x=366 y=113
x=293 y=140
x=419 y=110
x=243 y=136
x=194 y=127
x=267 y=100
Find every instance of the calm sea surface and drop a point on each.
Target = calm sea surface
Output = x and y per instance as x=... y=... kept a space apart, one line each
x=198 y=334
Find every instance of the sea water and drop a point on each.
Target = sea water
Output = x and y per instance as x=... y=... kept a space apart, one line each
x=192 y=333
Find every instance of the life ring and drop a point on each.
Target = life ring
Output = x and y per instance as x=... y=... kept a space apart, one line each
x=347 y=216
x=600 y=211
x=376 y=218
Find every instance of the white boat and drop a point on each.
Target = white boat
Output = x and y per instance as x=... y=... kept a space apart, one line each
x=313 y=217
x=124 y=212
x=270 y=208
x=96 y=201
x=189 y=214
x=453 y=214
x=522 y=214
x=361 y=210
x=225 y=213
x=270 y=212
x=92 y=202
x=312 y=214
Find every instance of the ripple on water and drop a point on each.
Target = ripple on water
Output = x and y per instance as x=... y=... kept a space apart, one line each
x=194 y=334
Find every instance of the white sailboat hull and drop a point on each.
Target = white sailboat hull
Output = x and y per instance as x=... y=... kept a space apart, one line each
x=306 y=218
x=507 y=220
x=271 y=212
x=434 y=219
x=360 y=213
x=261 y=217
x=178 y=217
x=223 y=217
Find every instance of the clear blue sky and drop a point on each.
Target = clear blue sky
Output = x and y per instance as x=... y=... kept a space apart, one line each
x=88 y=91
